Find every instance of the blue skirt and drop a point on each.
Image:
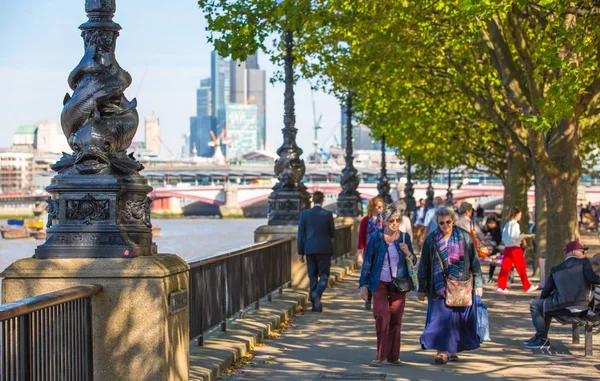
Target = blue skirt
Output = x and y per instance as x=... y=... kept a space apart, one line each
x=450 y=329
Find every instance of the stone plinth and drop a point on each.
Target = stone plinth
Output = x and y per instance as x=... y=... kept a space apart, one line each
x=134 y=336
x=268 y=232
x=355 y=222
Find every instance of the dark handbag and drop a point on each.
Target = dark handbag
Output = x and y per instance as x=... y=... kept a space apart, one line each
x=399 y=284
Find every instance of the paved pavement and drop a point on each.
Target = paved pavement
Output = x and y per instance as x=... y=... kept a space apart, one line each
x=342 y=340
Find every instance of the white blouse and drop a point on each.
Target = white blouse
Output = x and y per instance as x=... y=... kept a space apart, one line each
x=511 y=234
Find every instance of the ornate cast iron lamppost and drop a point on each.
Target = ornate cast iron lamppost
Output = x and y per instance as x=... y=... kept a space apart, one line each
x=348 y=202
x=383 y=185
x=99 y=205
x=289 y=196
x=409 y=191
x=430 y=193
x=449 y=194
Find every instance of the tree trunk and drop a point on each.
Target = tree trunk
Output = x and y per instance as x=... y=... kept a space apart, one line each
x=518 y=182
x=562 y=171
x=540 y=218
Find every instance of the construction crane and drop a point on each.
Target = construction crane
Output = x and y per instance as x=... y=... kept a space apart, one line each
x=317 y=127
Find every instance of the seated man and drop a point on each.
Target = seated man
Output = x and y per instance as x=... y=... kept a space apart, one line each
x=569 y=289
x=596 y=266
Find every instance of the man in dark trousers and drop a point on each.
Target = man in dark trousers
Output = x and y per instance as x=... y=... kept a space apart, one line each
x=315 y=231
x=568 y=289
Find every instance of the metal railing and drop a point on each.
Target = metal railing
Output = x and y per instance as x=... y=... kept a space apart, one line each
x=224 y=284
x=48 y=337
x=342 y=243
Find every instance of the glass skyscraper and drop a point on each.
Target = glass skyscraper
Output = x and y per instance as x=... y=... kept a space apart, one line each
x=234 y=97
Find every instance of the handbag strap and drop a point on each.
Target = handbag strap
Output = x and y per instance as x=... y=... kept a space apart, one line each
x=387 y=250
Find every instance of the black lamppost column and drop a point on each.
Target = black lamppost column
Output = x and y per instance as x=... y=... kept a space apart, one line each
x=449 y=194
x=348 y=202
x=430 y=192
x=289 y=197
x=98 y=206
x=383 y=185
x=409 y=191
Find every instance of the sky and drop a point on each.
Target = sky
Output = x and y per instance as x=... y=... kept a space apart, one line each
x=163 y=45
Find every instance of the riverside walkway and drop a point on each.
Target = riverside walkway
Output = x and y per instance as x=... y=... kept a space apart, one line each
x=340 y=343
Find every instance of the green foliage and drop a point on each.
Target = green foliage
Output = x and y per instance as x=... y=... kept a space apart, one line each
x=453 y=82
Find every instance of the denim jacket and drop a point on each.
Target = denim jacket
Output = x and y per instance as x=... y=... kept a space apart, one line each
x=374 y=256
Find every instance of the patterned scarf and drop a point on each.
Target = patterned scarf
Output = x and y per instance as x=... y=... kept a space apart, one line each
x=373 y=226
x=452 y=253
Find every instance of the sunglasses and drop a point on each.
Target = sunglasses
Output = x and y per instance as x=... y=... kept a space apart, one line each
x=394 y=221
x=444 y=223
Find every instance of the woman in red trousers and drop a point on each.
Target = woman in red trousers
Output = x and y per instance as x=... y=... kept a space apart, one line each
x=513 y=253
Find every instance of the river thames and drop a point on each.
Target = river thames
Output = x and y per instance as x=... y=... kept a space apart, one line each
x=189 y=238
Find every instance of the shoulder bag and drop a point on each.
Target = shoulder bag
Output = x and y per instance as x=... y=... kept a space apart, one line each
x=459 y=293
x=398 y=284
x=480 y=249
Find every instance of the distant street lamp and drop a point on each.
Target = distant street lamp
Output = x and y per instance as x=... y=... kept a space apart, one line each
x=349 y=202
x=289 y=197
x=383 y=185
x=409 y=191
x=430 y=192
x=449 y=192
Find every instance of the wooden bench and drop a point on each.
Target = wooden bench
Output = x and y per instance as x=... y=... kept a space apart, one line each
x=583 y=319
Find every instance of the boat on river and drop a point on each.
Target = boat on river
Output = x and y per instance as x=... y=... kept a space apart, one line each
x=14 y=232
x=21 y=229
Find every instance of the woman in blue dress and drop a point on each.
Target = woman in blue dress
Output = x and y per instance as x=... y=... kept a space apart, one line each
x=449 y=330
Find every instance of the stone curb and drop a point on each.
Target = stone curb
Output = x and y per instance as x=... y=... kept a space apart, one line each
x=221 y=349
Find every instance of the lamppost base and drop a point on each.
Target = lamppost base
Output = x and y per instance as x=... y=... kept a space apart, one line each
x=104 y=216
x=349 y=206
x=285 y=206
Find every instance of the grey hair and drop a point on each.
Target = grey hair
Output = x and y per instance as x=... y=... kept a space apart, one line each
x=445 y=212
x=392 y=211
x=401 y=205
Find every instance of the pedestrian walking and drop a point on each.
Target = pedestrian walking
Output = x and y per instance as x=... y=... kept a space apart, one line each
x=315 y=232
x=368 y=225
x=388 y=273
x=430 y=222
x=493 y=238
x=418 y=221
x=513 y=253
x=449 y=258
x=405 y=224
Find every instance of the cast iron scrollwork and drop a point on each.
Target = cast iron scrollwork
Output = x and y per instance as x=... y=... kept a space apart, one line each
x=98 y=120
x=87 y=209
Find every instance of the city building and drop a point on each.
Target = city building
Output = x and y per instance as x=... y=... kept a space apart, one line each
x=220 y=77
x=24 y=137
x=362 y=138
x=186 y=148
x=152 y=138
x=231 y=83
x=242 y=130
x=16 y=170
x=203 y=123
x=45 y=136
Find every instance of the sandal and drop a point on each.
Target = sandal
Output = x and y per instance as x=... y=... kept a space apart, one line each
x=376 y=362
x=396 y=363
x=441 y=358
x=454 y=357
